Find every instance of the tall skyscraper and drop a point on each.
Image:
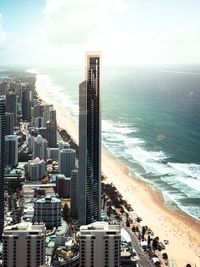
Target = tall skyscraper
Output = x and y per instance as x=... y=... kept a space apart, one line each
x=26 y=104
x=11 y=105
x=51 y=128
x=2 y=159
x=10 y=122
x=89 y=181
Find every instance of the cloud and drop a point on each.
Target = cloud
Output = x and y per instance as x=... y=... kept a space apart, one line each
x=77 y=21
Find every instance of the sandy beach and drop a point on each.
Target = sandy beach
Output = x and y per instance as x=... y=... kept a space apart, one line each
x=182 y=231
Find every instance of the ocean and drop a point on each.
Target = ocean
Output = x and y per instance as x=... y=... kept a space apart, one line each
x=150 y=123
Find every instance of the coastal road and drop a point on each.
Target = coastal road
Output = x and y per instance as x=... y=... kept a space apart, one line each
x=143 y=262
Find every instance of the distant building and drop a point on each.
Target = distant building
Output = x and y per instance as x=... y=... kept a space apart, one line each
x=63 y=145
x=40 y=148
x=53 y=153
x=51 y=133
x=63 y=186
x=24 y=245
x=74 y=193
x=11 y=150
x=36 y=169
x=43 y=132
x=67 y=159
x=38 y=122
x=30 y=142
x=38 y=110
x=11 y=105
x=10 y=123
x=2 y=159
x=46 y=112
x=89 y=184
x=48 y=210
x=99 y=245
x=3 y=88
x=26 y=104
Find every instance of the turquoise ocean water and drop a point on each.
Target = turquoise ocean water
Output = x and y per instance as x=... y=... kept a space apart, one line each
x=150 y=122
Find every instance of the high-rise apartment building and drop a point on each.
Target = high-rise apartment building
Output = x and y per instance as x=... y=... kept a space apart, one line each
x=99 y=245
x=51 y=133
x=2 y=159
x=89 y=181
x=36 y=169
x=11 y=105
x=11 y=150
x=26 y=104
x=10 y=123
x=67 y=159
x=24 y=245
x=40 y=148
x=48 y=210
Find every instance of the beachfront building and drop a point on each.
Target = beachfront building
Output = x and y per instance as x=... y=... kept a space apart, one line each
x=24 y=245
x=48 y=210
x=40 y=147
x=36 y=169
x=99 y=245
x=26 y=103
x=11 y=150
x=51 y=133
x=89 y=181
x=2 y=159
x=38 y=110
x=67 y=159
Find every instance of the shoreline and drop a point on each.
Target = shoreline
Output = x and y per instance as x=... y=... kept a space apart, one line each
x=182 y=231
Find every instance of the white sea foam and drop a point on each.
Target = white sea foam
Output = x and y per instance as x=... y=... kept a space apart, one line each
x=48 y=89
x=119 y=139
x=191 y=169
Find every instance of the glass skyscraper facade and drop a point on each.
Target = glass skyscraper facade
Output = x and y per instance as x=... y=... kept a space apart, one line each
x=89 y=180
x=2 y=159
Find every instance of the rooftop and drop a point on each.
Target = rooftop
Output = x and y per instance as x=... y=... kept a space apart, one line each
x=100 y=226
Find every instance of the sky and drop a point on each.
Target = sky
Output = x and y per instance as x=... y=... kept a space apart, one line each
x=127 y=32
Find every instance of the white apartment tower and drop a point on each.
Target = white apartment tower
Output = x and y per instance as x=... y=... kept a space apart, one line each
x=36 y=169
x=40 y=148
x=99 y=245
x=24 y=245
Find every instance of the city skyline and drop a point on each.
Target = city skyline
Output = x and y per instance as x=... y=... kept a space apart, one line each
x=57 y=32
